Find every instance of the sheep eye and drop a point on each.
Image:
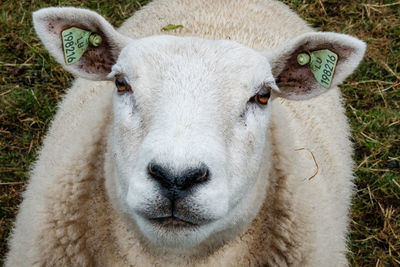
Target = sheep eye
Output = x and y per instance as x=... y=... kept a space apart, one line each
x=122 y=85
x=262 y=98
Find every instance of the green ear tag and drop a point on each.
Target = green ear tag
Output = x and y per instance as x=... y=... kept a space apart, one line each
x=323 y=64
x=75 y=43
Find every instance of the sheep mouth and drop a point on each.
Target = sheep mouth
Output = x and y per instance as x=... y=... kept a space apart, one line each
x=172 y=222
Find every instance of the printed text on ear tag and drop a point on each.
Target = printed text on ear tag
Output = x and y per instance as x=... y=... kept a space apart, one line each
x=75 y=43
x=323 y=64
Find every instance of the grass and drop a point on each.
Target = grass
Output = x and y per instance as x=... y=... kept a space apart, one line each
x=32 y=83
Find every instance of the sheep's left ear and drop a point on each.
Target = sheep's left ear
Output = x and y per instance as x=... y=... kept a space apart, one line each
x=82 y=41
x=313 y=63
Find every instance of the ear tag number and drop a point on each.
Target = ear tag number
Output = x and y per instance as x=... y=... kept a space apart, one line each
x=75 y=43
x=323 y=65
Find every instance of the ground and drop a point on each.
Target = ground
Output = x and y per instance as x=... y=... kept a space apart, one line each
x=31 y=83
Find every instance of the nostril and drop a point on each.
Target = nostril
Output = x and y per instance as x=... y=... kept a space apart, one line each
x=194 y=176
x=201 y=175
x=186 y=179
x=160 y=174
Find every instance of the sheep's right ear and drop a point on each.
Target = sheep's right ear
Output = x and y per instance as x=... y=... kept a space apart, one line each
x=81 y=40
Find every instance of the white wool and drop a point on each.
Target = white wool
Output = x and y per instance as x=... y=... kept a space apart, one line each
x=281 y=175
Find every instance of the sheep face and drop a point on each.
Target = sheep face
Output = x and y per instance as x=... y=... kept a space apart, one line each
x=189 y=137
x=188 y=154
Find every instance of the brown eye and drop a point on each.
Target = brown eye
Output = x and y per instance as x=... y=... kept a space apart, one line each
x=122 y=85
x=262 y=98
x=263 y=95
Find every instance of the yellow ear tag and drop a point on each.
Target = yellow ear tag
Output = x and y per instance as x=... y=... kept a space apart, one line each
x=322 y=64
x=75 y=43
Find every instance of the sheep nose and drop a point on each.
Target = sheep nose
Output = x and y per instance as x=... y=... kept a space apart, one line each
x=176 y=185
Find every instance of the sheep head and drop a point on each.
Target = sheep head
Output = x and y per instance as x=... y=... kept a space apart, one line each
x=189 y=149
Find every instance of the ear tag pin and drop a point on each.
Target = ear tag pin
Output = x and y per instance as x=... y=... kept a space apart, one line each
x=303 y=59
x=95 y=39
x=322 y=65
x=75 y=43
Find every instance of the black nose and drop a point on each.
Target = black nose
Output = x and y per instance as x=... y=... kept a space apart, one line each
x=174 y=184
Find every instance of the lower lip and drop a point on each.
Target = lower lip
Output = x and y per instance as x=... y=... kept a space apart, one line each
x=172 y=222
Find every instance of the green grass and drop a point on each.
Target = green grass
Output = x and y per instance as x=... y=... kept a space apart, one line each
x=32 y=83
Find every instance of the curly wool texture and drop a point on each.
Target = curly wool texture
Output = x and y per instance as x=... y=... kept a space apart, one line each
x=66 y=218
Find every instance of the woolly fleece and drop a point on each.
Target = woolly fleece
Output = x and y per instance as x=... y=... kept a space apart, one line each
x=66 y=218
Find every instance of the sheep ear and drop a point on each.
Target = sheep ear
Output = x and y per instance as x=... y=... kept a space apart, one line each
x=82 y=41
x=313 y=63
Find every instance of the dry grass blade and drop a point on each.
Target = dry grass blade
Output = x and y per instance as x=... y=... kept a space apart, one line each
x=315 y=161
x=12 y=183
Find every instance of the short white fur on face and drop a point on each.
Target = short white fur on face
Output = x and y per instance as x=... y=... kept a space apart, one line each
x=189 y=107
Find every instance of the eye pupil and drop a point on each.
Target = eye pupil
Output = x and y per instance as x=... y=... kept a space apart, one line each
x=122 y=85
x=262 y=98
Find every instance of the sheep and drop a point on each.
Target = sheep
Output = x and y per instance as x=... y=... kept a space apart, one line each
x=216 y=144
